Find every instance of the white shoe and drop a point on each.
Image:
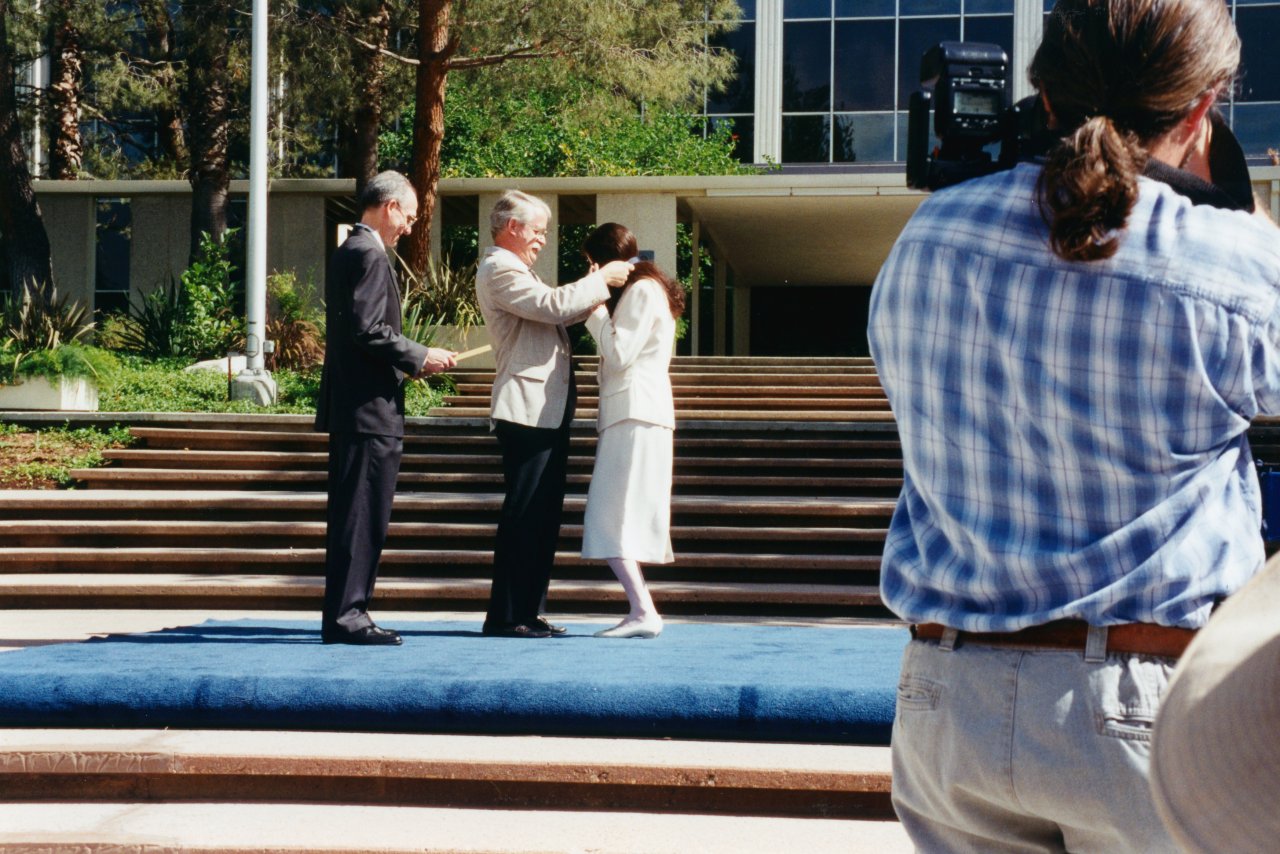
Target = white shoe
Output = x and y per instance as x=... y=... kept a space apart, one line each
x=650 y=627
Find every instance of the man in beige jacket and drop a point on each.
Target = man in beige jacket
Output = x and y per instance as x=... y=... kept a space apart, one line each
x=532 y=404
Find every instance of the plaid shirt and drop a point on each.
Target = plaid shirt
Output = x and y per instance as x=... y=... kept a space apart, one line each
x=1073 y=434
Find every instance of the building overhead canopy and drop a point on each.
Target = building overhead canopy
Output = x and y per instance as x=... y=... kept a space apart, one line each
x=803 y=239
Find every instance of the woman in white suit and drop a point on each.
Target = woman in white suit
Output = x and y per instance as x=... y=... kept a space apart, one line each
x=628 y=519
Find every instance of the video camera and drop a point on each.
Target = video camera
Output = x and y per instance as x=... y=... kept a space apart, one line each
x=969 y=82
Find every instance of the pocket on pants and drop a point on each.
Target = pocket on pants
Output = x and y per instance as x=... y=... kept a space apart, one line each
x=1128 y=696
x=916 y=692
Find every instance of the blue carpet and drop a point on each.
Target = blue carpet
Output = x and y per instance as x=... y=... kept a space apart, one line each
x=696 y=681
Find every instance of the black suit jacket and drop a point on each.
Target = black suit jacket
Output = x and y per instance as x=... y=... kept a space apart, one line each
x=366 y=357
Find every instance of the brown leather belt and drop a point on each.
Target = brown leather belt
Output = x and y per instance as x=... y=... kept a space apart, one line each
x=1134 y=638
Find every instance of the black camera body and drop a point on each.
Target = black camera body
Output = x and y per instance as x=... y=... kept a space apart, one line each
x=966 y=85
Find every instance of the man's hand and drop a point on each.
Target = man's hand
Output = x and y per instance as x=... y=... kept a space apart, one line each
x=438 y=359
x=615 y=273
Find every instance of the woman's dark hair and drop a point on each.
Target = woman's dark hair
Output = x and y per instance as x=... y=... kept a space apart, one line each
x=614 y=242
x=1118 y=75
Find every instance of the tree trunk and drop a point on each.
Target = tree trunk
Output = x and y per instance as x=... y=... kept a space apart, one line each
x=66 y=68
x=358 y=142
x=434 y=51
x=26 y=248
x=158 y=28
x=208 y=116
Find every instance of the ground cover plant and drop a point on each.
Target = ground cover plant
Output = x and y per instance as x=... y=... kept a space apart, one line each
x=43 y=458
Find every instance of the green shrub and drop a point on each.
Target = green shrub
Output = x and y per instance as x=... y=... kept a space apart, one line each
x=193 y=316
x=74 y=361
x=210 y=326
x=41 y=320
x=294 y=326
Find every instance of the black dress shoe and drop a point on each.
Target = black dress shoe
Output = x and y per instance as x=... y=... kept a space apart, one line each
x=516 y=630
x=365 y=636
x=551 y=627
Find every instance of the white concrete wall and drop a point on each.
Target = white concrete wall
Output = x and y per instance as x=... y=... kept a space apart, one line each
x=160 y=240
x=650 y=216
x=295 y=236
x=71 y=222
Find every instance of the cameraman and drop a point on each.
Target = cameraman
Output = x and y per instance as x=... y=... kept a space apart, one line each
x=1073 y=351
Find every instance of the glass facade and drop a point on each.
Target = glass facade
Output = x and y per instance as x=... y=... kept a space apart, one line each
x=736 y=105
x=848 y=68
x=113 y=240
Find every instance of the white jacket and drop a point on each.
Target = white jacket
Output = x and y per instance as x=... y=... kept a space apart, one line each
x=635 y=347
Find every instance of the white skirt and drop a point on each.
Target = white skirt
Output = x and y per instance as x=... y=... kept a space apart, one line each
x=629 y=500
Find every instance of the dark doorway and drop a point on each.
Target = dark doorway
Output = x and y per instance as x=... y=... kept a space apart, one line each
x=809 y=321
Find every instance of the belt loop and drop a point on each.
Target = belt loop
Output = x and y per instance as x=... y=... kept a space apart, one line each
x=1095 y=645
x=948 y=639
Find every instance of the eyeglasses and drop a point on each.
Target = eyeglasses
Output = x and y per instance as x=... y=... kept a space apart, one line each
x=538 y=232
x=409 y=219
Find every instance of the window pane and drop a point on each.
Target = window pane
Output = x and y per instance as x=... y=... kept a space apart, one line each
x=929 y=7
x=863 y=138
x=901 y=153
x=806 y=66
x=114 y=229
x=806 y=139
x=740 y=94
x=864 y=65
x=979 y=7
x=1259 y=59
x=993 y=29
x=866 y=8
x=744 y=132
x=806 y=9
x=914 y=38
x=748 y=8
x=1257 y=126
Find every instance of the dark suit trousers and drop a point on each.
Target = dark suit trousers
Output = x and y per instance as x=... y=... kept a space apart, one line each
x=534 y=464
x=362 y=485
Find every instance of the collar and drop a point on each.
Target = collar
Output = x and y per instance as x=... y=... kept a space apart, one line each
x=494 y=250
x=378 y=237
x=1227 y=195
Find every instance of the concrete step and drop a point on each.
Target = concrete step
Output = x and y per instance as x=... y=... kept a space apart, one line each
x=318 y=459
x=717 y=484
x=161 y=504
x=684 y=406
x=399 y=561
x=656 y=775
x=117 y=533
x=774 y=443
x=172 y=590
x=269 y=828
x=876 y=416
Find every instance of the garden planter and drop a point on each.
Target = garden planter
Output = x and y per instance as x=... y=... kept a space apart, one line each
x=454 y=338
x=78 y=394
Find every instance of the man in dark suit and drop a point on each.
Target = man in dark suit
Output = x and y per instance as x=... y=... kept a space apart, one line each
x=361 y=405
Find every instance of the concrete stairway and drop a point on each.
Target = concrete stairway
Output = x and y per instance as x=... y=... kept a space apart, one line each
x=780 y=517
x=728 y=387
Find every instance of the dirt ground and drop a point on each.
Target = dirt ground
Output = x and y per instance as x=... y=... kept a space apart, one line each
x=27 y=448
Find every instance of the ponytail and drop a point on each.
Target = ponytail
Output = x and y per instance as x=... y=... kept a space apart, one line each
x=1088 y=187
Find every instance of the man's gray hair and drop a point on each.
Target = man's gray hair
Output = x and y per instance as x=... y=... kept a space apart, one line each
x=516 y=206
x=389 y=186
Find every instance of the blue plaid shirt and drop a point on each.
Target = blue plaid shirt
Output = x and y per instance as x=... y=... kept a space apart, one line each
x=1073 y=434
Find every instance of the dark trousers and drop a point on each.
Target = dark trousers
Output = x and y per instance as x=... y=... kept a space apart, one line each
x=534 y=464
x=362 y=485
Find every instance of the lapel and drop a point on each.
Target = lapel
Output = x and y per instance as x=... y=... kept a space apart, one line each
x=386 y=256
x=564 y=333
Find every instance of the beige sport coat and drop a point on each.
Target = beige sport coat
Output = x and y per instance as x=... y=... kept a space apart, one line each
x=526 y=319
x=635 y=355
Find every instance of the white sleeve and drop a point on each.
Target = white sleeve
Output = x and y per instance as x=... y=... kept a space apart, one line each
x=621 y=338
